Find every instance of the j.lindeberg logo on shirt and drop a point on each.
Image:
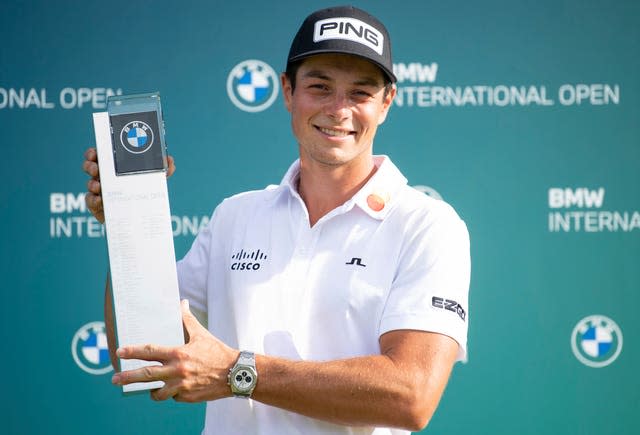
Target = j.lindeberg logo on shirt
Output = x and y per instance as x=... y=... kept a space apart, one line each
x=244 y=260
x=355 y=261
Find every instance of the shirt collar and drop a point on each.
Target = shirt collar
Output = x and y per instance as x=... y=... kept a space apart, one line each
x=291 y=177
x=376 y=198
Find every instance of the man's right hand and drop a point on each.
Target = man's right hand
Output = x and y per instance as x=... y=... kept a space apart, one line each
x=94 y=191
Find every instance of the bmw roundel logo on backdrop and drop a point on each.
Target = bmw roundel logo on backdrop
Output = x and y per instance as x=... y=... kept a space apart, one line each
x=89 y=349
x=252 y=85
x=596 y=341
x=136 y=137
x=427 y=190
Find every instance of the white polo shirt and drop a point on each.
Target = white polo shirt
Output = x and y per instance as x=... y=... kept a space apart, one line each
x=273 y=285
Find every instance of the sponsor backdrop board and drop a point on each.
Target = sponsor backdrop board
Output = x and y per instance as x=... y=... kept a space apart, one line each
x=524 y=116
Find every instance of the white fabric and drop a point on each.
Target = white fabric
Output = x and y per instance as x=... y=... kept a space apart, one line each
x=305 y=302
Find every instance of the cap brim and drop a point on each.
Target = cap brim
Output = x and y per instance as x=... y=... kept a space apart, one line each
x=385 y=71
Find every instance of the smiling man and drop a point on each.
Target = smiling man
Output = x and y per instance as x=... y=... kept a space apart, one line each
x=337 y=300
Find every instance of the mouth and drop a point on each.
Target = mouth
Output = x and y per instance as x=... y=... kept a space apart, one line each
x=335 y=133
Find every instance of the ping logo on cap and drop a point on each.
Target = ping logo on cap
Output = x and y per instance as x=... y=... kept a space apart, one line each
x=350 y=29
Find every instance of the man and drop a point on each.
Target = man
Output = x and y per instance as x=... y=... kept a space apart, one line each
x=345 y=312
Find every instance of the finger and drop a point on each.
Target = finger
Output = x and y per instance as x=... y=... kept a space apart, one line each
x=91 y=154
x=171 y=166
x=143 y=374
x=93 y=186
x=96 y=211
x=147 y=352
x=94 y=202
x=91 y=168
x=164 y=393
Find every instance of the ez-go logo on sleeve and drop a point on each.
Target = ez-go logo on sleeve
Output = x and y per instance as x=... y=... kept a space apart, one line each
x=449 y=305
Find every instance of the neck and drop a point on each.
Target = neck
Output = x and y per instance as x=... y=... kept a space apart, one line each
x=324 y=187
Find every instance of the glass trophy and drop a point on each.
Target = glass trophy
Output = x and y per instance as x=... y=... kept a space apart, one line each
x=137 y=133
x=142 y=263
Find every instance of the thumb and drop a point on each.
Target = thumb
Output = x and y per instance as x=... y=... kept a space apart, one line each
x=189 y=320
x=184 y=304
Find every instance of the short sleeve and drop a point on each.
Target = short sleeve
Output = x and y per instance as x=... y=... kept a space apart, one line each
x=193 y=268
x=430 y=291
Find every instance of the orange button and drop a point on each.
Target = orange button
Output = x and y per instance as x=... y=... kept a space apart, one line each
x=375 y=202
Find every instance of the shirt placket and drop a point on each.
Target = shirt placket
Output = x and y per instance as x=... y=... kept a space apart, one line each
x=297 y=274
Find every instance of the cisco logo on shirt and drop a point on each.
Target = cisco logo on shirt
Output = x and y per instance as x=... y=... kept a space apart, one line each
x=247 y=261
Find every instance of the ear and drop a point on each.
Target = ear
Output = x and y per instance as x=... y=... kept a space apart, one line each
x=386 y=104
x=287 y=91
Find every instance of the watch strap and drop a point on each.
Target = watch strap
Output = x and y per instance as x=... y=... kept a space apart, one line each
x=246 y=358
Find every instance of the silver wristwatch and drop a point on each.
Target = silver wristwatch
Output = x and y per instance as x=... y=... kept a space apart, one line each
x=243 y=376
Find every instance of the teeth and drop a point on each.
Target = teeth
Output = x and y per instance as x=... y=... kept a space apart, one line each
x=330 y=132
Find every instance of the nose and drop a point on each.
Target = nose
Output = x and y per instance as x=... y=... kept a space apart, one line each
x=338 y=107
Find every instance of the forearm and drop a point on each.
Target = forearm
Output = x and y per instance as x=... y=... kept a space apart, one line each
x=400 y=387
x=356 y=392
x=109 y=323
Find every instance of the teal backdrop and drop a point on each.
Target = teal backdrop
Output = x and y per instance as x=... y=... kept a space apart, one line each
x=523 y=115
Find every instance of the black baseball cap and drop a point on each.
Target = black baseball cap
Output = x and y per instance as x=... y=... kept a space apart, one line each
x=344 y=29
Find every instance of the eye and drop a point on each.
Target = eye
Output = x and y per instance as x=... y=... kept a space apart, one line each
x=361 y=95
x=318 y=87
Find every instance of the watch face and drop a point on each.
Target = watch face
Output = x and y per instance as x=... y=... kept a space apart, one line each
x=243 y=379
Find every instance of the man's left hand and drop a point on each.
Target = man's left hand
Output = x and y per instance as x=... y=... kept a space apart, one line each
x=194 y=372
